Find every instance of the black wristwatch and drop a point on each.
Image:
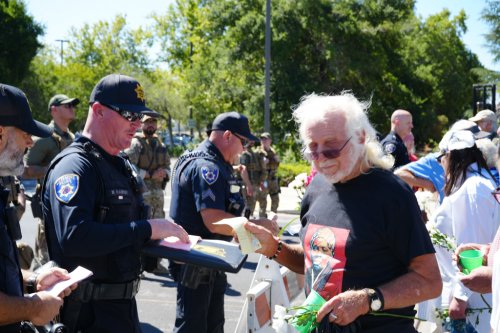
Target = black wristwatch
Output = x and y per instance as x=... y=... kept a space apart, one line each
x=375 y=299
x=31 y=283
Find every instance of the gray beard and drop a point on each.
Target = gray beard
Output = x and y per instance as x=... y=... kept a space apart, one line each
x=11 y=161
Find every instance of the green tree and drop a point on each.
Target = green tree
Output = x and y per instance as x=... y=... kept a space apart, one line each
x=18 y=41
x=491 y=14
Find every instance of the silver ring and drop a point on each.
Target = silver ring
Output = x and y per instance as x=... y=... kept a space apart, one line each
x=333 y=316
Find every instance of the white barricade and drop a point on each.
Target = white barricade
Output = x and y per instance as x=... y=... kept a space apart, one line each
x=271 y=285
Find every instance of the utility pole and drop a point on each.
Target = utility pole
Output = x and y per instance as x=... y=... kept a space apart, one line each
x=267 y=54
x=62 y=41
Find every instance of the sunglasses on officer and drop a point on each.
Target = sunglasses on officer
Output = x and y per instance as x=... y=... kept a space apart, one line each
x=244 y=142
x=129 y=115
x=327 y=153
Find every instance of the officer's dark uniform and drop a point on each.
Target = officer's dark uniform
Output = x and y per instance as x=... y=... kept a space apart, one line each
x=202 y=179
x=94 y=218
x=395 y=146
x=10 y=273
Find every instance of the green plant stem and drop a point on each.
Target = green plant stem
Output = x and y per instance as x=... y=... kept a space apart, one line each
x=286 y=226
x=385 y=314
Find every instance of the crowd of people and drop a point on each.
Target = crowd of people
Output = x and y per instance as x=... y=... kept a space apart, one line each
x=369 y=246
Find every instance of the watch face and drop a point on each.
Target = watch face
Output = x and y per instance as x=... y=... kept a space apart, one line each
x=376 y=304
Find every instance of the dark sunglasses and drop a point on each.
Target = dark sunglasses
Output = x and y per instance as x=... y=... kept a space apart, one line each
x=244 y=142
x=328 y=153
x=68 y=106
x=129 y=115
x=440 y=157
x=496 y=194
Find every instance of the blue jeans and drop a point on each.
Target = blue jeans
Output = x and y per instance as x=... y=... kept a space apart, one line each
x=459 y=326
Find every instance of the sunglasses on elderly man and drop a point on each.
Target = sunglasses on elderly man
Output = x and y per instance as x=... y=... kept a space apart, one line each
x=327 y=153
x=496 y=194
x=129 y=115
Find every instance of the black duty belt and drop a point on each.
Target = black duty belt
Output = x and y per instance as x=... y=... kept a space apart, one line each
x=89 y=291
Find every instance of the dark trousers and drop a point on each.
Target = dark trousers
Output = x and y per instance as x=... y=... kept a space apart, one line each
x=201 y=310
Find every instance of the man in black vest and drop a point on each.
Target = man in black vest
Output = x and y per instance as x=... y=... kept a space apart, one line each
x=94 y=212
x=401 y=125
x=16 y=128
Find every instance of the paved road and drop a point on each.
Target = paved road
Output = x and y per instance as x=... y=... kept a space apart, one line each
x=156 y=299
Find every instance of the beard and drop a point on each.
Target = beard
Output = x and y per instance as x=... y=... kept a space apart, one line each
x=149 y=131
x=11 y=160
x=340 y=175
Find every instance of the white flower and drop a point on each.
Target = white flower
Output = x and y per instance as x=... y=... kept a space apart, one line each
x=280 y=317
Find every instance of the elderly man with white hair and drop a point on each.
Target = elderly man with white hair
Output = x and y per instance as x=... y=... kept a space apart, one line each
x=364 y=248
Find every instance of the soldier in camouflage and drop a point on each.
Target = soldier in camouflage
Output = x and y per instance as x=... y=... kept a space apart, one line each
x=39 y=156
x=273 y=162
x=149 y=155
x=255 y=163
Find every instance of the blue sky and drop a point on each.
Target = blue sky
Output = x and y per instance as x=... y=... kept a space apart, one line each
x=59 y=15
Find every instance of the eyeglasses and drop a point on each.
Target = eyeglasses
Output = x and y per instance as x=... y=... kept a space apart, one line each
x=129 y=115
x=244 y=142
x=68 y=106
x=440 y=157
x=496 y=194
x=328 y=153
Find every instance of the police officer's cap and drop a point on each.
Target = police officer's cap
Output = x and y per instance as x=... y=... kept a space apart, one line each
x=265 y=135
x=121 y=92
x=234 y=122
x=15 y=111
x=61 y=99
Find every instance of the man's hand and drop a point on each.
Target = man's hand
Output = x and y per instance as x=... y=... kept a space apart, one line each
x=479 y=280
x=270 y=225
x=46 y=307
x=162 y=228
x=268 y=242
x=484 y=248
x=159 y=174
x=345 y=307
x=52 y=276
x=457 y=308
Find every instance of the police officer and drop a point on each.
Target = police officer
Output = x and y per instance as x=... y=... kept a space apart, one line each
x=38 y=158
x=94 y=213
x=16 y=128
x=273 y=162
x=401 y=125
x=204 y=191
x=256 y=166
x=150 y=156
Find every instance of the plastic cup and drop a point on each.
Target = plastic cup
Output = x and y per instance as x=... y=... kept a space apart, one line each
x=470 y=260
x=314 y=301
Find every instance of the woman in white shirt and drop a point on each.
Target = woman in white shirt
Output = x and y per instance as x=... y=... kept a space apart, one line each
x=468 y=214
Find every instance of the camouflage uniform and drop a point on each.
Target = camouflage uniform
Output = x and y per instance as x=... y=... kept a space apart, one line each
x=149 y=154
x=273 y=162
x=256 y=167
x=42 y=153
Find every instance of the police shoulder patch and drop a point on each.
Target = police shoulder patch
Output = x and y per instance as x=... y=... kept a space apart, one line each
x=210 y=173
x=66 y=187
x=390 y=148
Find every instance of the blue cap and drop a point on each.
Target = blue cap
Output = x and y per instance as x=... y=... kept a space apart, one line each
x=15 y=111
x=122 y=93
x=234 y=122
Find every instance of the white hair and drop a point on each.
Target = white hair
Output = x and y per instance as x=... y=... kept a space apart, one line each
x=315 y=108
x=489 y=151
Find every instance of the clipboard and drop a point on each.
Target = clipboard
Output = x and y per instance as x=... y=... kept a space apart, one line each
x=211 y=253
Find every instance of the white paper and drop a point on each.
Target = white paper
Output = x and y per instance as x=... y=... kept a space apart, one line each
x=77 y=275
x=248 y=242
x=175 y=243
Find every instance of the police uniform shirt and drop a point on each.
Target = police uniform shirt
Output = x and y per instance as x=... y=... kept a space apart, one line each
x=393 y=145
x=204 y=183
x=10 y=274
x=75 y=237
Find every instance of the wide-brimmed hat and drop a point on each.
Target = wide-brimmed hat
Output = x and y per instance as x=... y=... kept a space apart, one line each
x=15 y=111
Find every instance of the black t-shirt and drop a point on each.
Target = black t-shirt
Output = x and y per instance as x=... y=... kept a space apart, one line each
x=362 y=234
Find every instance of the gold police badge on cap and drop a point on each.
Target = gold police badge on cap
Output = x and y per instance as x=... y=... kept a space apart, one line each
x=139 y=92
